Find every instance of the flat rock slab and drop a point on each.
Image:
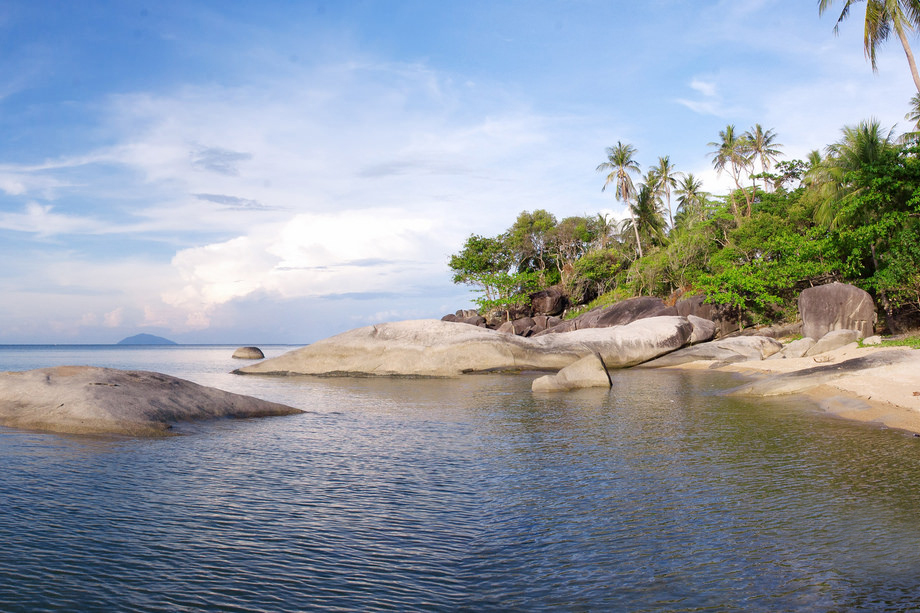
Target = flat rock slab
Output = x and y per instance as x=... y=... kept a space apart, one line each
x=734 y=349
x=799 y=381
x=90 y=400
x=433 y=348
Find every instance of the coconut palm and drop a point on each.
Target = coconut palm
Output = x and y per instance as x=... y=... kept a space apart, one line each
x=665 y=177
x=620 y=163
x=733 y=152
x=860 y=146
x=763 y=146
x=913 y=116
x=605 y=226
x=691 y=199
x=882 y=18
x=646 y=219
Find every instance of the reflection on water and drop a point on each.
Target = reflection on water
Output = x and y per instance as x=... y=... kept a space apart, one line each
x=415 y=494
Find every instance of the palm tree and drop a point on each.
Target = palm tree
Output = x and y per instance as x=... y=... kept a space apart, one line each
x=691 y=198
x=733 y=152
x=883 y=17
x=620 y=163
x=665 y=178
x=913 y=116
x=860 y=146
x=604 y=225
x=764 y=146
x=646 y=217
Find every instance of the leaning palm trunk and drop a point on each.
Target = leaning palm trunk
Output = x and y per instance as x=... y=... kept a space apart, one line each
x=910 y=57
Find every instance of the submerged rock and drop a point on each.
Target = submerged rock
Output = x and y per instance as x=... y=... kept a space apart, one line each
x=589 y=371
x=435 y=348
x=90 y=400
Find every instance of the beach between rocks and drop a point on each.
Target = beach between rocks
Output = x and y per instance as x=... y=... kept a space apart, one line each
x=881 y=387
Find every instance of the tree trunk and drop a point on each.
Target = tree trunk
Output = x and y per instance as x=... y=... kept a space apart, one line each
x=910 y=57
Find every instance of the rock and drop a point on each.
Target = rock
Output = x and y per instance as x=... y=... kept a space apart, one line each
x=248 y=353
x=473 y=320
x=799 y=381
x=703 y=329
x=735 y=349
x=621 y=313
x=442 y=349
x=523 y=326
x=450 y=317
x=797 y=349
x=836 y=306
x=872 y=340
x=90 y=400
x=550 y=301
x=466 y=313
x=589 y=371
x=724 y=317
x=834 y=339
x=506 y=328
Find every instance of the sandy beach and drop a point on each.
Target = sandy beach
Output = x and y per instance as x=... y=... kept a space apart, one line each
x=887 y=395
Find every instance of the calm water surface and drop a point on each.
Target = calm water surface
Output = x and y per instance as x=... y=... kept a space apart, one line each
x=468 y=494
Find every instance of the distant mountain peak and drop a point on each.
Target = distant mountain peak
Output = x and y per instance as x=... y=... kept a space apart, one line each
x=146 y=339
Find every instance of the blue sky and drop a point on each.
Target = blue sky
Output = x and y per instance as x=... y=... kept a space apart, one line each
x=262 y=172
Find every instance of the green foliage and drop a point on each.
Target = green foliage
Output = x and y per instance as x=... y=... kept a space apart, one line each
x=506 y=289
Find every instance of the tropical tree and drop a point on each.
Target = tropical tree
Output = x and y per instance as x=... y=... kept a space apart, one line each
x=733 y=152
x=605 y=226
x=620 y=163
x=763 y=145
x=666 y=177
x=913 y=116
x=528 y=240
x=833 y=177
x=882 y=18
x=691 y=199
x=646 y=217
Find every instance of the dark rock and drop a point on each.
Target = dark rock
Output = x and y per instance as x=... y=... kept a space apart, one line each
x=466 y=313
x=836 y=306
x=450 y=317
x=724 y=317
x=506 y=328
x=551 y=301
x=618 y=314
x=475 y=320
x=522 y=326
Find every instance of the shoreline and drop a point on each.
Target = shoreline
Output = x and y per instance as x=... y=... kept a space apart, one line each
x=887 y=395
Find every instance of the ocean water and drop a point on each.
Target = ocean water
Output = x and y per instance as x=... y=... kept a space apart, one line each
x=460 y=495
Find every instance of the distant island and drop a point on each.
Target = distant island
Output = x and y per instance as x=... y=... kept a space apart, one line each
x=146 y=339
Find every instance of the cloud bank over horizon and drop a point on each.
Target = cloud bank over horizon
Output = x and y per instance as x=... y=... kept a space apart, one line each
x=269 y=174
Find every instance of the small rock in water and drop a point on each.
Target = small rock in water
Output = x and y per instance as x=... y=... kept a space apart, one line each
x=248 y=353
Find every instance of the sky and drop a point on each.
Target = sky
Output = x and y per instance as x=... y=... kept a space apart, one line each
x=281 y=171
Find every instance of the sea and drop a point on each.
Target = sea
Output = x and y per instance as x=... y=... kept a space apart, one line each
x=469 y=494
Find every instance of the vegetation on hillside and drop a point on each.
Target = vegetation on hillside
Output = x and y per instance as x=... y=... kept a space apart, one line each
x=850 y=213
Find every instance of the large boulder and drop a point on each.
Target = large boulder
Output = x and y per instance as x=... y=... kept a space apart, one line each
x=589 y=371
x=248 y=353
x=836 y=306
x=618 y=314
x=443 y=349
x=723 y=316
x=90 y=400
x=734 y=349
x=550 y=301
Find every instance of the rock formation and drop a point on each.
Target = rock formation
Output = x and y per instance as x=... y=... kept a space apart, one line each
x=89 y=400
x=445 y=349
x=248 y=353
x=589 y=371
x=836 y=306
x=734 y=349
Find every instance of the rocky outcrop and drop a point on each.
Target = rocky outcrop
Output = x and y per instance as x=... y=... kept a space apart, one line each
x=588 y=371
x=799 y=381
x=618 y=314
x=734 y=349
x=551 y=301
x=836 y=306
x=703 y=329
x=835 y=339
x=443 y=349
x=248 y=353
x=89 y=400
